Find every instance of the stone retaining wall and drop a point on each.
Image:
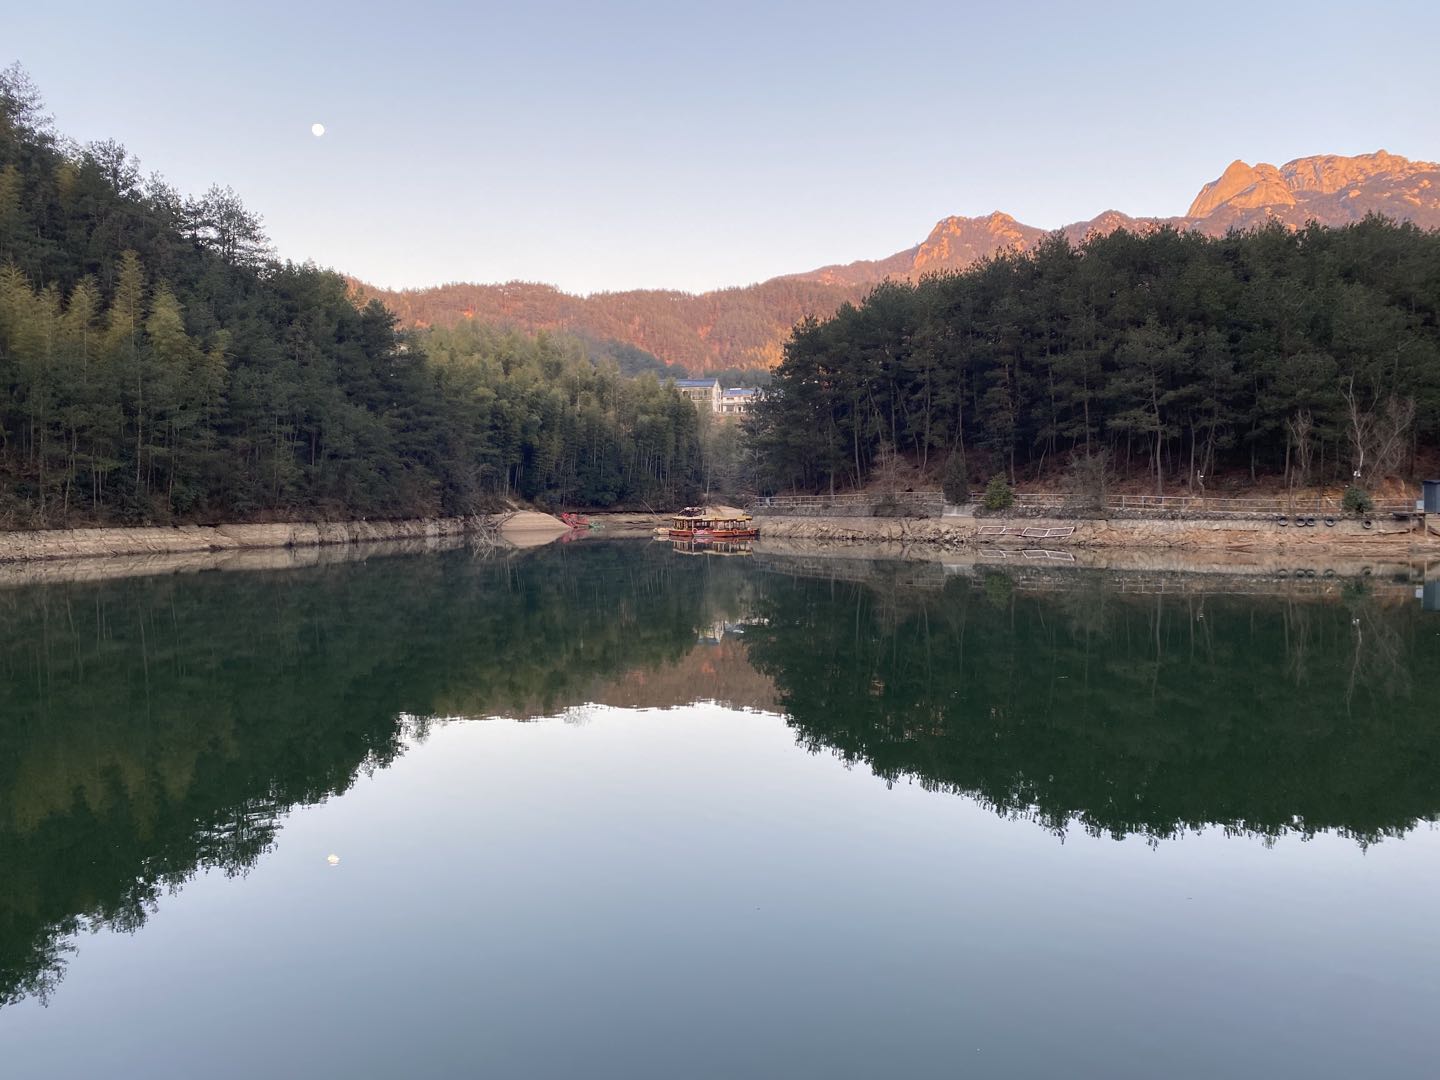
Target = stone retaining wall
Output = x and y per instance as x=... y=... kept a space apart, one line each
x=81 y=543
x=1385 y=538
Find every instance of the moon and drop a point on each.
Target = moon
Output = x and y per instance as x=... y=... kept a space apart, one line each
x=317 y=130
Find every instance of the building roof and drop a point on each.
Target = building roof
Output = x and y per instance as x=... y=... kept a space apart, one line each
x=697 y=383
x=740 y=391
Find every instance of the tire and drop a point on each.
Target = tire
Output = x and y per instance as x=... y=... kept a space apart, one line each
x=1367 y=524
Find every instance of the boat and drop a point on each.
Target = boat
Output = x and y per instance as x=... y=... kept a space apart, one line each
x=702 y=524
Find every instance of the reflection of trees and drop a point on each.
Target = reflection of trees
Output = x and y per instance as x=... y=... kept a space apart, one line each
x=1379 y=654
x=152 y=728
x=1121 y=714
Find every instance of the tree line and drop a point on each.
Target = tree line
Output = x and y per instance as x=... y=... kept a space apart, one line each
x=158 y=364
x=1305 y=355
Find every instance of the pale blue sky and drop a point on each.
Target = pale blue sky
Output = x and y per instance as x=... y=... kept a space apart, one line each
x=608 y=146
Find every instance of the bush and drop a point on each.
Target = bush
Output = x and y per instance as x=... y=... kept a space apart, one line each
x=956 y=481
x=1356 y=501
x=998 y=495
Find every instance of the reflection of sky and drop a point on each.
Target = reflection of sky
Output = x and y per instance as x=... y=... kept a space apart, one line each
x=687 y=893
x=604 y=146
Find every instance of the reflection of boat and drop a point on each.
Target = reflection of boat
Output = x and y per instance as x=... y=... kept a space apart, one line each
x=712 y=547
x=709 y=523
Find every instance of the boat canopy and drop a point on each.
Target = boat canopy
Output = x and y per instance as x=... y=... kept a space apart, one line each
x=692 y=516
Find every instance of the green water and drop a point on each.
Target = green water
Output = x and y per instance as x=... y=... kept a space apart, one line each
x=605 y=810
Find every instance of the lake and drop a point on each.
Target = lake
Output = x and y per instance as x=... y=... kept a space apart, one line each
x=609 y=810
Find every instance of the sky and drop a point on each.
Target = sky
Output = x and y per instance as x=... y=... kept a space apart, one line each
x=604 y=146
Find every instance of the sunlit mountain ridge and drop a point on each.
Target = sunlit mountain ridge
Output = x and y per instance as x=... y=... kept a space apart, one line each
x=746 y=326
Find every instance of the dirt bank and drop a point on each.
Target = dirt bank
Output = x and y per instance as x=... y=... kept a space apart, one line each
x=528 y=528
x=1385 y=538
x=523 y=528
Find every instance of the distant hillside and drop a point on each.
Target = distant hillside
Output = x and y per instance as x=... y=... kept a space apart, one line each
x=702 y=334
x=746 y=327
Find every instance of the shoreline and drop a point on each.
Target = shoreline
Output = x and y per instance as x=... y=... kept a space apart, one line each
x=83 y=569
x=1241 y=542
x=1321 y=568
x=521 y=528
x=1240 y=536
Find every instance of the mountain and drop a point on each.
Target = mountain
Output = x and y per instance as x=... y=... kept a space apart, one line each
x=1330 y=189
x=746 y=327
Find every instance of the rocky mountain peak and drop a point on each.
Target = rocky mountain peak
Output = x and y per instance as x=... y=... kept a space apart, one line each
x=957 y=241
x=1328 y=173
x=1250 y=187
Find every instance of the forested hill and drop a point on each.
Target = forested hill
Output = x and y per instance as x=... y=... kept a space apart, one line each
x=157 y=364
x=705 y=333
x=1310 y=354
x=746 y=327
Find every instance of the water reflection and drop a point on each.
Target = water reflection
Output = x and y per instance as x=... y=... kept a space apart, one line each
x=1120 y=713
x=156 y=727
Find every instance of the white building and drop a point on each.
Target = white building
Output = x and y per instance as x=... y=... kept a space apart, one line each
x=705 y=393
x=708 y=396
x=738 y=400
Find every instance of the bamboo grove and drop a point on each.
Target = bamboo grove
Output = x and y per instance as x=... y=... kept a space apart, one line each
x=157 y=364
x=1305 y=355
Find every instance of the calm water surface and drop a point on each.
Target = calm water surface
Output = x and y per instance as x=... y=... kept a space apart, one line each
x=610 y=811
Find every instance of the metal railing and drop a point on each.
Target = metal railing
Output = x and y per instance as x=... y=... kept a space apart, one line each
x=860 y=499
x=1313 y=505
x=1308 y=504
